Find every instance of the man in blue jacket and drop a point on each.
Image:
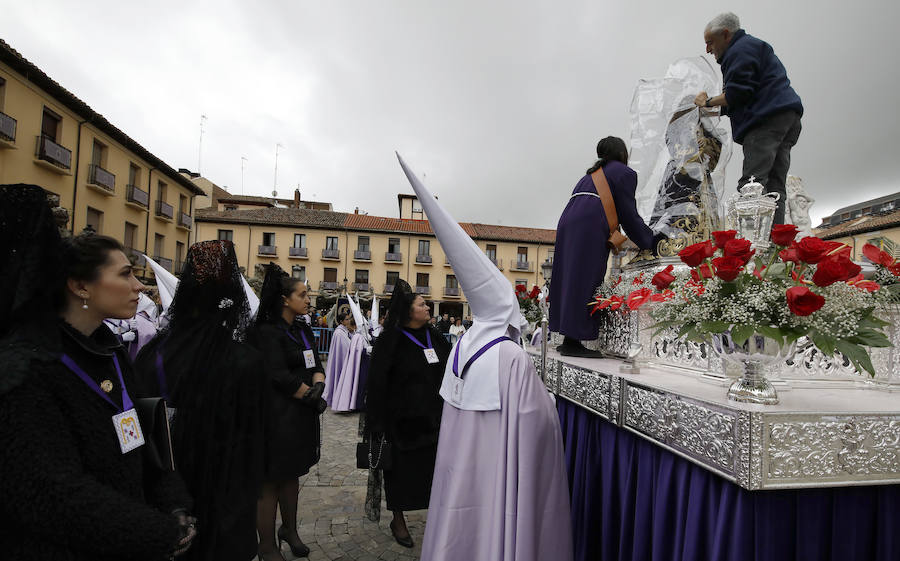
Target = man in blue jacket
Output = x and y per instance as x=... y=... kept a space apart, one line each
x=764 y=110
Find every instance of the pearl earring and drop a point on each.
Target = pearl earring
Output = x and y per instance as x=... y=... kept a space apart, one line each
x=84 y=305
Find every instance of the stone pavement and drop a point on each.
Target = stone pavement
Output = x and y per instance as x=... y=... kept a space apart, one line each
x=331 y=510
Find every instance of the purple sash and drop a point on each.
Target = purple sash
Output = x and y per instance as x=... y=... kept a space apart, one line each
x=126 y=400
x=474 y=357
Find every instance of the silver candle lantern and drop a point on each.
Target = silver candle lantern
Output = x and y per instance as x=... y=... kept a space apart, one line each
x=752 y=212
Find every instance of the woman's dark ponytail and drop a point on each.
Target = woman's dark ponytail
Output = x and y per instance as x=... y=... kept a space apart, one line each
x=609 y=149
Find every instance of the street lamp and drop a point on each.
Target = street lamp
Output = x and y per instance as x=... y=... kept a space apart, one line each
x=547 y=270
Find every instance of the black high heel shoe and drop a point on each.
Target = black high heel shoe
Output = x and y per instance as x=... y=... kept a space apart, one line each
x=404 y=541
x=298 y=550
x=270 y=555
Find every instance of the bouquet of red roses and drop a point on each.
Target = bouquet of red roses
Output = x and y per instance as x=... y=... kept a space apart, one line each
x=809 y=288
x=528 y=302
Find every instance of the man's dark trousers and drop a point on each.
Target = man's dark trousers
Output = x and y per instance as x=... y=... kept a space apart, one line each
x=767 y=154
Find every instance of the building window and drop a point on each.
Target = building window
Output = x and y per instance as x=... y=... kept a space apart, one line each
x=226 y=235
x=299 y=241
x=231 y=207
x=522 y=255
x=134 y=175
x=491 y=252
x=269 y=238
x=452 y=282
x=523 y=282
x=182 y=204
x=50 y=125
x=393 y=245
x=422 y=279
x=392 y=277
x=179 y=251
x=94 y=220
x=161 y=189
x=159 y=244
x=331 y=243
x=330 y=274
x=550 y=255
x=362 y=276
x=362 y=243
x=299 y=272
x=130 y=235
x=424 y=247
x=98 y=154
x=2 y=92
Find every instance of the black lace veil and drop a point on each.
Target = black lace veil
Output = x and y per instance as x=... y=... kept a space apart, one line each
x=401 y=302
x=270 y=303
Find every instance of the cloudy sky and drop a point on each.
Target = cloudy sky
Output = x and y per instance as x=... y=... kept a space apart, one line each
x=498 y=104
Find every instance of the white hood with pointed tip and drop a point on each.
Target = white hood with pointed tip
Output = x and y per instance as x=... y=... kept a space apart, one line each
x=495 y=310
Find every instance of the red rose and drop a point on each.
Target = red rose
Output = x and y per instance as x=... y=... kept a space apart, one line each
x=535 y=292
x=877 y=256
x=784 y=234
x=694 y=254
x=639 y=297
x=811 y=249
x=834 y=269
x=803 y=301
x=520 y=288
x=664 y=278
x=728 y=268
x=724 y=236
x=705 y=270
x=789 y=254
x=739 y=248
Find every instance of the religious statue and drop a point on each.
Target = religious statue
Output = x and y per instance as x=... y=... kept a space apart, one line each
x=797 y=206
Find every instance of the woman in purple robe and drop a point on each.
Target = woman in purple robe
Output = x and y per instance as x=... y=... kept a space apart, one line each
x=581 y=251
x=337 y=355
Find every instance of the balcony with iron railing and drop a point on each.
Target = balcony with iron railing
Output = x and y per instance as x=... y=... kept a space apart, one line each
x=423 y=259
x=136 y=195
x=101 y=179
x=297 y=252
x=135 y=256
x=362 y=255
x=52 y=153
x=185 y=220
x=495 y=261
x=517 y=265
x=163 y=262
x=390 y=257
x=388 y=288
x=164 y=210
x=423 y=290
x=451 y=291
x=362 y=286
x=329 y=285
x=267 y=250
x=7 y=129
x=179 y=267
x=334 y=254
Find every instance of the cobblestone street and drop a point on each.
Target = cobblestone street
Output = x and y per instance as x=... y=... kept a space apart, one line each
x=331 y=511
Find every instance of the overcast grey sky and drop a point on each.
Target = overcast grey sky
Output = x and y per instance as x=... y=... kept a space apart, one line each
x=498 y=104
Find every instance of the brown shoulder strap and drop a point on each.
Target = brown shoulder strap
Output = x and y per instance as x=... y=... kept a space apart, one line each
x=609 y=207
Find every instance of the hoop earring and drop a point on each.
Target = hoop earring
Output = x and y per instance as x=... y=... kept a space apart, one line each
x=84 y=305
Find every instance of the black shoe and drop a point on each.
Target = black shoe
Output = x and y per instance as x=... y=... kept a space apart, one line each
x=298 y=550
x=578 y=351
x=404 y=541
x=270 y=555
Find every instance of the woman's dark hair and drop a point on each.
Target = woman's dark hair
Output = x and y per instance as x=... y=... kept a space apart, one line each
x=341 y=316
x=82 y=257
x=277 y=284
x=610 y=149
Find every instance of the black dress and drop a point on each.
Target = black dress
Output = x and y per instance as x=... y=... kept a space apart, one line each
x=404 y=403
x=66 y=490
x=293 y=438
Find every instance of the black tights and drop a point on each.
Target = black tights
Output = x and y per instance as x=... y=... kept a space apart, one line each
x=282 y=494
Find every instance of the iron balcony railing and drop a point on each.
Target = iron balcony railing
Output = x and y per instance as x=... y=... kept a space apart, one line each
x=99 y=176
x=331 y=254
x=361 y=255
x=362 y=286
x=451 y=291
x=517 y=265
x=7 y=127
x=388 y=288
x=328 y=285
x=267 y=250
x=164 y=209
x=52 y=152
x=296 y=252
x=135 y=194
x=423 y=290
x=185 y=220
x=163 y=262
x=393 y=257
x=423 y=258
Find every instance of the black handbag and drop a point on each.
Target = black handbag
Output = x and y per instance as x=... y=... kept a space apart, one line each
x=372 y=454
x=154 y=421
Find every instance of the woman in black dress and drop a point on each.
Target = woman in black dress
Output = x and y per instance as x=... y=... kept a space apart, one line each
x=201 y=365
x=296 y=381
x=72 y=486
x=403 y=405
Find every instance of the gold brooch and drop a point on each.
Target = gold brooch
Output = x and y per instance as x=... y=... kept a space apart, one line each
x=106 y=386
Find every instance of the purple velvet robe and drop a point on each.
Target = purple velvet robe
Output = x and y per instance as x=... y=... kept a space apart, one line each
x=346 y=389
x=500 y=489
x=580 y=256
x=337 y=356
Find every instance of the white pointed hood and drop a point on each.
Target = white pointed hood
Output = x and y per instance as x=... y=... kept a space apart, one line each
x=495 y=310
x=166 y=283
x=362 y=326
x=376 y=329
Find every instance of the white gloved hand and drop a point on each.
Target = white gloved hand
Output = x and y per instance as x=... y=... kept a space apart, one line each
x=129 y=336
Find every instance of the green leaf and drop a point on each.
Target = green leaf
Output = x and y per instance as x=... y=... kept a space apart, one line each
x=685 y=329
x=713 y=326
x=824 y=343
x=777 y=269
x=773 y=333
x=792 y=335
x=740 y=333
x=857 y=355
x=870 y=338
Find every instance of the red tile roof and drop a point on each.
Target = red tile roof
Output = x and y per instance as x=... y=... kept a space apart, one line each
x=859 y=225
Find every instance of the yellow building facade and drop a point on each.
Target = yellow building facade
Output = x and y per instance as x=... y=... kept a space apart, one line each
x=876 y=221
x=334 y=250
x=104 y=178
